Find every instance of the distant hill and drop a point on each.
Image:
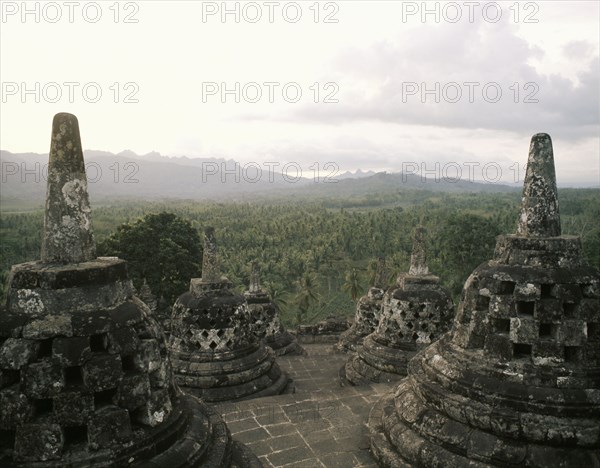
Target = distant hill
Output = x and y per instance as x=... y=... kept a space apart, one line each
x=152 y=176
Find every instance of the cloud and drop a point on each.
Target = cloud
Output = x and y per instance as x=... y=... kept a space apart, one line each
x=470 y=75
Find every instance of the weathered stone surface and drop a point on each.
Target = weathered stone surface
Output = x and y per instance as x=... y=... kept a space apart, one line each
x=68 y=236
x=84 y=375
x=212 y=337
x=267 y=325
x=414 y=313
x=368 y=312
x=514 y=376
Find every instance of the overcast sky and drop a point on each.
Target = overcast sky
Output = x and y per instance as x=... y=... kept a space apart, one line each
x=395 y=88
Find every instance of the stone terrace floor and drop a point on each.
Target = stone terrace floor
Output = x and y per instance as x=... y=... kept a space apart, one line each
x=320 y=425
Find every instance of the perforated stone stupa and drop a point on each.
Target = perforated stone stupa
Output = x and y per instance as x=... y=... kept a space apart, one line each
x=368 y=312
x=266 y=320
x=214 y=350
x=414 y=314
x=517 y=381
x=84 y=374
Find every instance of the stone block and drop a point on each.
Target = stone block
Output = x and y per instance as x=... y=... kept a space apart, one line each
x=38 y=442
x=123 y=341
x=108 y=426
x=548 y=310
x=49 y=326
x=17 y=352
x=148 y=358
x=15 y=408
x=498 y=346
x=547 y=353
x=102 y=372
x=73 y=407
x=133 y=391
x=572 y=332
x=527 y=291
x=91 y=323
x=156 y=408
x=44 y=379
x=523 y=330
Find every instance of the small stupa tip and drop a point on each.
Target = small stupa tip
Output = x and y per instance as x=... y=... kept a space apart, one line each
x=540 y=215
x=418 y=259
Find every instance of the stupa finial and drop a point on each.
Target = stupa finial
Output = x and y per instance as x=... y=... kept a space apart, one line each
x=210 y=262
x=418 y=259
x=380 y=274
x=254 y=278
x=68 y=236
x=540 y=216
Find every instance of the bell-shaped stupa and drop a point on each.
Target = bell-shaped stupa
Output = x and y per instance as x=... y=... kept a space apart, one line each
x=415 y=313
x=516 y=382
x=266 y=321
x=85 y=378
x=214 y=350
x=368 y=311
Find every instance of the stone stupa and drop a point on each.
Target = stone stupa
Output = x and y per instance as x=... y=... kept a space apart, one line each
x=214 y=350
x=85 y=379
x=368 y=311
x=415 y=313
x=265 y=316
x=517 y=381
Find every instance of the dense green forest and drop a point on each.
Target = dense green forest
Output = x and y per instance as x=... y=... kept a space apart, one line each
x=315 y=254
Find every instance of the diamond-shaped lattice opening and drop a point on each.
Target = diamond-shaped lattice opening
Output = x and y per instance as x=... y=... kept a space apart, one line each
x=573 y=354
x=521 y=350
x=204 y=334
x=569 y=309
x=104 y=398
x=212 y=322
x=43 y=407
x=45 y=349
x=415 y=336
x=229 y=343
x=98 y=343
x=409 y=325
x=546 y=291
x=220 y=333
x=424 y=326
x=548 y=330
x=213 y=345
x=73 y=376
x=501 y=325
x=525 y=307
x=75 y=435
x=506 y=287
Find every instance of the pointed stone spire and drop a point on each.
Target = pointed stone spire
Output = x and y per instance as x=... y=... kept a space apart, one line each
x=68 y=235
x=418 y=259
x=210 y=262
x=539 y=210
x=380 y=274
x=254 y=279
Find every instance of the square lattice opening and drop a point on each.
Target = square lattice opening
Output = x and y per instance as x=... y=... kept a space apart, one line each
x=521 y=350
x=502 y=325
x=548 y=330
x=75 y=435
x=525 y=308
x=572 y=353
x=73 y=376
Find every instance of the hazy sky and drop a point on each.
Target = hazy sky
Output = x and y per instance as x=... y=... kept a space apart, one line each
x=397 y=84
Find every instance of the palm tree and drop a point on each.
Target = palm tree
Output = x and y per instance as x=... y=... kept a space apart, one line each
x=307 y=295
x=352 y=285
